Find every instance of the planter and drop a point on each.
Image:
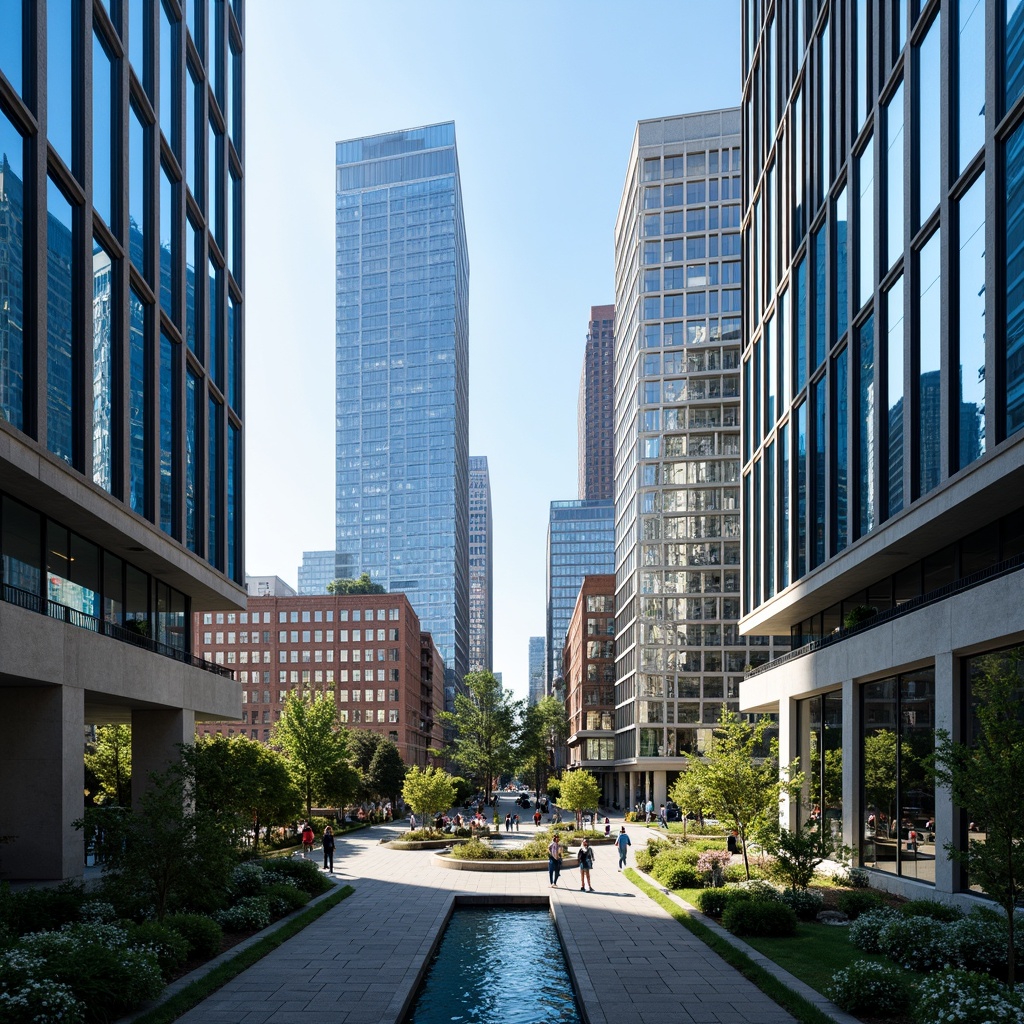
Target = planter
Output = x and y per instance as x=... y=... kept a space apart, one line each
x=423 y=844
x=454 y=864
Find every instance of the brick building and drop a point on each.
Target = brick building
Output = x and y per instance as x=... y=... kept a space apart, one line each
x=588 y=668
x=365 y=650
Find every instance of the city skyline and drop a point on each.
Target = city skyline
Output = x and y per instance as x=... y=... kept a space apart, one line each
x=500 y=97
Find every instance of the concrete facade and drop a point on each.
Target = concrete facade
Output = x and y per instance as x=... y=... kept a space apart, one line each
x=595 y=420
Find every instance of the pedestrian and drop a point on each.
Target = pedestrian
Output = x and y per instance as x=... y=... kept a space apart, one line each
x=536 y=819
x=607 y=829
x=586 y=860
x=650 y=811
x=412 y=822
x=515 y=821
x=508 y=822
x=623 y=843
x=328 y=843
x=663 y=817
x=555 y=854
x=307 y=839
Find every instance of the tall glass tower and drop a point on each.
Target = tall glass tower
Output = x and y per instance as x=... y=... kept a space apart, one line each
x=402 y=377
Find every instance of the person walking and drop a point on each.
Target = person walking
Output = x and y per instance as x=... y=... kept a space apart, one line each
x=607 y=829
x=663 y=817
x=508 y=822
x=623 y=843
x=328 y=844
x=650 y=811
x=515 y=821
x=536 y=819
x=412 y=822
x=307 y=838
x=586 y=860
x=555 y=853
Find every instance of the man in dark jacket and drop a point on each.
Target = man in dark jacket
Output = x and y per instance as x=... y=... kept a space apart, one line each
x=328 y=842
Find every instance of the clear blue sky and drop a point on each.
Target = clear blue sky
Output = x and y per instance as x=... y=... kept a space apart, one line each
x=545 y=98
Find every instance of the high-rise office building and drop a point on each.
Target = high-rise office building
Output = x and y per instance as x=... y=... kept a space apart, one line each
x=595 y=419
x=316 y=571
x=121 y=277
x=883 y=462
x=581 y=542
x=536 y=669
x=403 y=377
x=481 y=567
x=679 y=655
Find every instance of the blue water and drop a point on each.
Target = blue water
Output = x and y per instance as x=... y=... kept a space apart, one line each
x=497 y=964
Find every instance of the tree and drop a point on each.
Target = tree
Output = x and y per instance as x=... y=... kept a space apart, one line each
x=985 y=778
x=110 y=761
x=360 y=585
x=545 y=726
x=485 y=725
x=580 y=792
x=733 y=783
x=169 y=851
x=314 y=742
x=428 y=791
x=464 y=789
x=243 y=780
x=799 y=851
x=880 y=775
x=387 y=772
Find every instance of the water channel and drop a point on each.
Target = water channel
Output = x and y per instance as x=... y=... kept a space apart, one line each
x=497 y=964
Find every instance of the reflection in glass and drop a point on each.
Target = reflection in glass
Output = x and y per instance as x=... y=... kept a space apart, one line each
x=137 y=405
x=22 y=557
x=820 y=291
x=894 y=178
x=168 y=246
x=194 y=11
x=1014 y=363
x=972 y=323
x=213 y=218
x=842 y=460
x=894 y=396
x=216 y=57
x=801 y=490
x=970 y=64
x=866 y=427
x=102 y=366
x=137 y=32
x=929 y=313
x=233 y=495
x=215 y=361
x=192 y=453
x=769 y=520
x=840 y=266
x=12 y=281
x=60 y=275
x=59 y=21
x=102 y=135
x=824 y=113
x=192 y=337
x=800 y=332
x=234 y=324
x=783 y=499
x=861 y=66
x=820 y=749
x=193 y=141
x=818 y=553
x=1014 y=57
x=137 y=163
x=213 y=432
x=880 y=835
x=12 y=43
x=168 y=433
x=866 y=224
x=929 y=122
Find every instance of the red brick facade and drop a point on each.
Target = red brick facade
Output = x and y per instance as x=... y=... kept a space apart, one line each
x=365 y=650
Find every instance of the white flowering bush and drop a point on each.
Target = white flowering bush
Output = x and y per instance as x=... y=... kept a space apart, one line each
x=961 y=997
x=872 y=989
x=805 y=903
x=712 y=864
x=867 y=929
x=248 y=880
x=98 y=912
x=976 y=944
x=917 y=944
x=251 y=913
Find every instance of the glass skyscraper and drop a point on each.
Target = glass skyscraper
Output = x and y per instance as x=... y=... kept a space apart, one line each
x=402 y=376
x=316 y=571
x=481 y=567
x=581 y=542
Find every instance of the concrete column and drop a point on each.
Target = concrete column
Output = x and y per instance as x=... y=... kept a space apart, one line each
x=790 y=811
x=853 y=760
x=660 y=789
x=947 y=871
x=43 y=767
x=156 y=737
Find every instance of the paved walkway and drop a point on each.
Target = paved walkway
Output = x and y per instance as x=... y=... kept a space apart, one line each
x=360 y=963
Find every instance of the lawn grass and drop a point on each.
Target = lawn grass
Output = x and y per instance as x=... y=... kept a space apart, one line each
x=199 y=989
x=804 y=1011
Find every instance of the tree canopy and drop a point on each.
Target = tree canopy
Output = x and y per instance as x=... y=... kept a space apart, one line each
x=314 y=742
x=579 y=792
x=486 y=728
x=428 y=791
x=109 y=759
x=985 y=778
x=732 y=782
x=387 y=772
x=359 y=585
x=545 y=727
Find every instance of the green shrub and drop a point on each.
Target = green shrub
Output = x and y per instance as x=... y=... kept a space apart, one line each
x=737 y=873
x=674 y=874
x=759 y=917
x=805 y=903
x=914 y=944
x=858 y=902
x=203 y=935
x=866 y=931
x=284 y=897
x=644 y=860
x=760 y=889
x=931 y=908
x=714 y=901
x=305 y=873
x=171 y=947
x=94 y=962
x=42 y=910
x=872 y=989
x=977 y=944
x=247 y=880
x=251 y=913
x=967 y=998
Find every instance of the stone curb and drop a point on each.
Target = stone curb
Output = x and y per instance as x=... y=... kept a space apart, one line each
x=500 y=865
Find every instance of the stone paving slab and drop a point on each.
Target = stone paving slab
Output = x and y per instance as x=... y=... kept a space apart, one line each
x=360 y=963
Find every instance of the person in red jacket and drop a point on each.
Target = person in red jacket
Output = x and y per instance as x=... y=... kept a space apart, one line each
x=307 y=839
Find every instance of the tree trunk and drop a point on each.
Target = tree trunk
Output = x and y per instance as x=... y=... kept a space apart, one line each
x=743 y=843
